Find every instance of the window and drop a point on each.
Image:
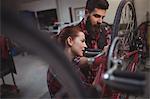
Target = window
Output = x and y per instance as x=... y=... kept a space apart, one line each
x=79 y=13
x=47 y=17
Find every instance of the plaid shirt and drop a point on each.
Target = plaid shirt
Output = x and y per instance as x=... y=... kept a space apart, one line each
x=98 y=42
x=100 y=39
x=54 y=85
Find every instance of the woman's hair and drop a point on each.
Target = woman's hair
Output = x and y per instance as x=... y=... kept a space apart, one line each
x=71 y=31
x=101 y=4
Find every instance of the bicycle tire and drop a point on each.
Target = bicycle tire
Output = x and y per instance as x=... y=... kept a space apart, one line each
x=117 y=28
x=116 y=23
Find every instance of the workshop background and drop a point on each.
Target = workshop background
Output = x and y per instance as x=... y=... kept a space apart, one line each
x=51 y=16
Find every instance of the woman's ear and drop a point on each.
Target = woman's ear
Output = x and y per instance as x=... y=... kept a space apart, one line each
x=70 y=41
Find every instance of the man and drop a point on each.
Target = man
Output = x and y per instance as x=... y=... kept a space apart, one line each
x=97 y=36
x=95 y=12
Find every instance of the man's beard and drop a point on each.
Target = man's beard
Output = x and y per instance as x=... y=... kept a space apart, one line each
x=93 y=30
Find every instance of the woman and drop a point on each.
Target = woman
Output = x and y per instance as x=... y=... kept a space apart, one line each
x=72 y=40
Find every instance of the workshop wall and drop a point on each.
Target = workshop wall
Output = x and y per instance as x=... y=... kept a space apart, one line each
x=141 y=6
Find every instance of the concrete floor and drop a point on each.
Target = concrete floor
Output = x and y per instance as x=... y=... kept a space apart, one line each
x=31 y=78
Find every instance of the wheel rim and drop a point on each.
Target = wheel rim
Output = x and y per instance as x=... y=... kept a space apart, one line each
x=113 y=53
x=123 y=27
x=125 y=19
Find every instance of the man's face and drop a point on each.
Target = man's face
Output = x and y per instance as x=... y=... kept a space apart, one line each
x=95 y=18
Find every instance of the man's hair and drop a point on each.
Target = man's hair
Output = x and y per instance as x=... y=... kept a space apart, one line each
x=100 y=4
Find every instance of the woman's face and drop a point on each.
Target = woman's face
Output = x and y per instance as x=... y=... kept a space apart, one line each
x=78 y=44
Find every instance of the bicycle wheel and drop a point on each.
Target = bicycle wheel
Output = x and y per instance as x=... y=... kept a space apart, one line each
x=113 y=53
x=125 y=18
x=123 y=28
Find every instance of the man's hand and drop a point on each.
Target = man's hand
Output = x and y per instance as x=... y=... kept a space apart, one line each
x=92 y=61
x=95 y=61
x=106 y=48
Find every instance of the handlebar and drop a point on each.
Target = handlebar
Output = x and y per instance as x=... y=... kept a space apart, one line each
x=92 y=52
x=128 y=82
